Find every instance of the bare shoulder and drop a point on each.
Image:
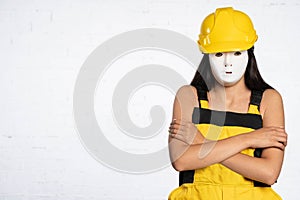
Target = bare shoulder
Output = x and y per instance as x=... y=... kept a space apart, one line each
x=271 y=100
x=187 y=92
x=185 y=101
x=271 y=95
x=187 y=89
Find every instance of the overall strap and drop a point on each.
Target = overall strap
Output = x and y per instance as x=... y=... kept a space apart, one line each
x=255 y=99
x=202 y=98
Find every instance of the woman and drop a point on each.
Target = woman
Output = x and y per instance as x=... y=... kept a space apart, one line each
x=227 y=137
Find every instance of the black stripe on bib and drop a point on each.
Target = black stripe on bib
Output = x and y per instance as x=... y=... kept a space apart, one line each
x=225 y=118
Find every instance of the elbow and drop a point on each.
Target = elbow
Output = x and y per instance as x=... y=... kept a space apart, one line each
x=184 y=165
x=271 y=180
x=178 y=165
x=271 y=177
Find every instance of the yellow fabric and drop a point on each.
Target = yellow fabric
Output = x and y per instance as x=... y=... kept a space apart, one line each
x=204 y=104
x=253 y=109
x=217 y=182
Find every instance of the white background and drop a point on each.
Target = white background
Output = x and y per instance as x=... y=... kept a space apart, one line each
x=43 y=45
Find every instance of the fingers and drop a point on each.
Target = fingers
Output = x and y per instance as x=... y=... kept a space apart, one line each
x=269 y=137
x=175 y=130
x=174 y=127
x=182 y=138
x=282 y=138
x=279 y=137
x=179 y=124
x=181 y=135
x=276 y=128
x=182 y=130
x=180 y=121
x=280 y=145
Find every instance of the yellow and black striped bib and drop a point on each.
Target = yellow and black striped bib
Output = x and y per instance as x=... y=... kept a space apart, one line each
x=217 y=181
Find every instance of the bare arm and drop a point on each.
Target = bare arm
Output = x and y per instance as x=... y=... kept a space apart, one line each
x=203 y=154
x=267 y=168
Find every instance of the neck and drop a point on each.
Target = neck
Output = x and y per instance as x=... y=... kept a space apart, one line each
x=222 y=96
x=230 y=91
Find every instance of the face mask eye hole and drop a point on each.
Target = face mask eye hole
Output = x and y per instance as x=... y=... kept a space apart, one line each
x=237 y=53
x=219 y=54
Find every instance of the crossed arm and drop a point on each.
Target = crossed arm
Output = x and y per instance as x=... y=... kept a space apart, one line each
x=190 y=150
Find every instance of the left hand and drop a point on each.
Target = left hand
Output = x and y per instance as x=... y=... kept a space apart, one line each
x=185 y=131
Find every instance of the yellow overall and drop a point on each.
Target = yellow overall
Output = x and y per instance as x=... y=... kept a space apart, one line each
x=216 y=181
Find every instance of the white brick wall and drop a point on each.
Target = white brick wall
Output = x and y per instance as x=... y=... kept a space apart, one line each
x=42 y=47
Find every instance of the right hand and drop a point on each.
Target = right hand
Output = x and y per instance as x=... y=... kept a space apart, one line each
x=268 y=137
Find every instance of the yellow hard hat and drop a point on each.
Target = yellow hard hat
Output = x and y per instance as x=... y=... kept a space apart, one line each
x=226 y=30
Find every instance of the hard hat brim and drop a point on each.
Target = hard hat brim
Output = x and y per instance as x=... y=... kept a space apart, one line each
x=225 y=47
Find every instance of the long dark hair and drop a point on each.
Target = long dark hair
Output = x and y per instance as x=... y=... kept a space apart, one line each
x=205 y=80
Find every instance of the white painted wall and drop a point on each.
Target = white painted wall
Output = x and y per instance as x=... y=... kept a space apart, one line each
x=43 y=45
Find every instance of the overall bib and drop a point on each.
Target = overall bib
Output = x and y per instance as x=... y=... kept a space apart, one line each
x=216 y=181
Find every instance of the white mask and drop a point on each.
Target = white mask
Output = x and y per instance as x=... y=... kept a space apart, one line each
x=228 y=67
